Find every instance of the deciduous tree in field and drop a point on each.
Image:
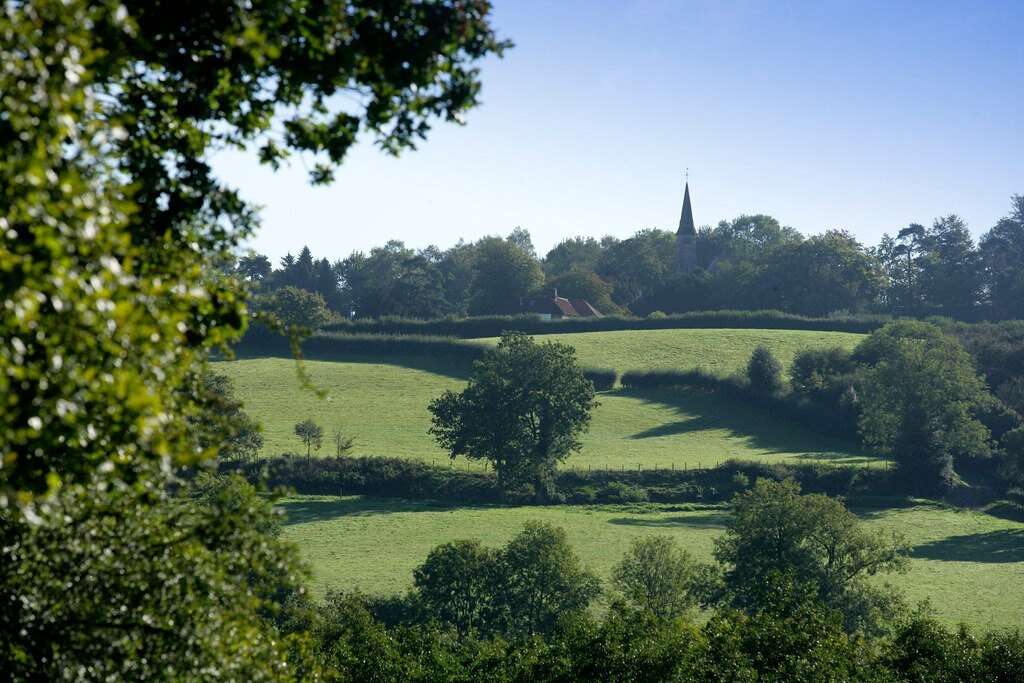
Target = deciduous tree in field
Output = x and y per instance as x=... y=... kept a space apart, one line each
x=658 y=577
x=779 y=541
x=523 y=411
x=311 y=433
x=919 y=401
x=522 y=589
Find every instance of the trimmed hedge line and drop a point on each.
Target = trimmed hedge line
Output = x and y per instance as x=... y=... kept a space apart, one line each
x=399 y=478
x=335 y=345
x=493 y=326
x=603 y=378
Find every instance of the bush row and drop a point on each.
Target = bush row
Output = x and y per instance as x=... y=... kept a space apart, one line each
x=336 y=345
x=493 y=326
x=400 y=478
x=603 y=378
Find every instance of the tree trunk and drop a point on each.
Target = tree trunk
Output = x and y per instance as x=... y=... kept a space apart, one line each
x=499 y=467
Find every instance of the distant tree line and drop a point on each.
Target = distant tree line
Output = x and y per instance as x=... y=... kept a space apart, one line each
x=748 y=263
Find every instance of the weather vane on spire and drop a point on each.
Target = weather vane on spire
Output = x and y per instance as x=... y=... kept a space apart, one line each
x=687 y=174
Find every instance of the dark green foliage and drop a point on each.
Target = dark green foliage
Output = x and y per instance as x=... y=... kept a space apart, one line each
x=821 y=417
x=818 y=373
x=1002 y=256
x=502 y=275
x=778 y=541
x=458 y=584
x=337 y=345
x=795 y=638
x=541 y=580
x=764 y=372
x=819 y=275
x=576 y=252
x=523 y=411
x=294 y=307
x=523 y=589
x=797 y=641
x=919 y=402
x=403 y=478
x=925 y=652
x=603 y=379
x=658 y=577
x=635 y=266
x=582 y=283
x=139 y=585
x=625 y=646
x=393 y=280
x=666 y=379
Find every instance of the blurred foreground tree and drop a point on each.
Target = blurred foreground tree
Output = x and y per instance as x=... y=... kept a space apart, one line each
x=113 y=233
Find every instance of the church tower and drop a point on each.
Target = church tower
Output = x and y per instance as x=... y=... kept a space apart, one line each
x=686 y=237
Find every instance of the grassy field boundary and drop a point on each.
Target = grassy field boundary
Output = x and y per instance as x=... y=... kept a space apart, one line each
x=493 y=326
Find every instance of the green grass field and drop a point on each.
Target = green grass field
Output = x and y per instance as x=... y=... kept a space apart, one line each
x=969 y=565
x=382 y=403
x=717 y=350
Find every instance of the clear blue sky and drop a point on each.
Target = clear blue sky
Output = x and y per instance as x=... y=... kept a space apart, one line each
x=850 y=114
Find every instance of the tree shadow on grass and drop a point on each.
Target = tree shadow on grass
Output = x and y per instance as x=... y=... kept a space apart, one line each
x=455 y=368
x=712 y=520
x=319 y=509
x=703 y=412
x=1002 y=546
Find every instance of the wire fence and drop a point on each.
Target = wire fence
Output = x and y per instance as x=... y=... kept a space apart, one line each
x=465 y=465
x=685 y=466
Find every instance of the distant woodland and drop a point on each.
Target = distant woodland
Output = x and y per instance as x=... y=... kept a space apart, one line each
x=748 y=263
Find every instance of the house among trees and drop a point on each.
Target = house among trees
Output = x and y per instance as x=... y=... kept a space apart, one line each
x=557 y=307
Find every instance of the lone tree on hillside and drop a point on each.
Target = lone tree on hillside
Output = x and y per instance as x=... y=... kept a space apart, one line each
x=342 y=444
x=523 y=411
x=311 y=434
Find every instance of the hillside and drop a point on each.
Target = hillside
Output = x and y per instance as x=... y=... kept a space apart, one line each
x=382 y=402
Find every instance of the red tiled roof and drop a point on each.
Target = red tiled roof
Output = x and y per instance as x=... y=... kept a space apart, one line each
x=584 y=308
x=564 y=306
x=559 y=305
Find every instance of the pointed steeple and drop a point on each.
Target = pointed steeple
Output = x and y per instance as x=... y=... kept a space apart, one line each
x=686 y=226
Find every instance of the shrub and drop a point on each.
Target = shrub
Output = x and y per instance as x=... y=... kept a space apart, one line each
x=764 y=372
x=603 y=378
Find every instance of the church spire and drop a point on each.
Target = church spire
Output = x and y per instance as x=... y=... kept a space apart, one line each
x=686 y=236
x=686 y=226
